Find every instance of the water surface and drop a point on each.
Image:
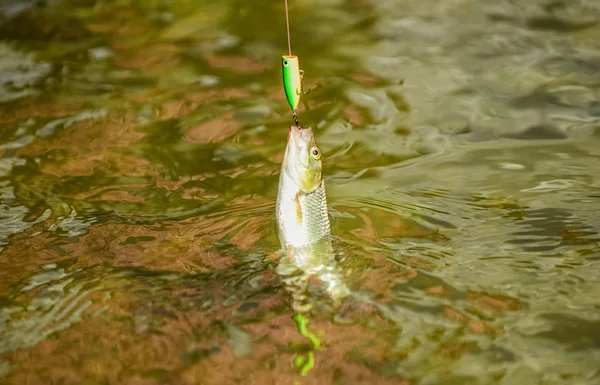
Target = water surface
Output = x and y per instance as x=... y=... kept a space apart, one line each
x=139 y=157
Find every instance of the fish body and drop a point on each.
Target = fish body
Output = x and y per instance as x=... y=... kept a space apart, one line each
x=301 y=209
x=303 y=220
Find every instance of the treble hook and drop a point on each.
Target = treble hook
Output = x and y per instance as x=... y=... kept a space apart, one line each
x=302 y=84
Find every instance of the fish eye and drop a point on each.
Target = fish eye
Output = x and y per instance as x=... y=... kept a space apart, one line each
x=285 y=62
x=315 y=153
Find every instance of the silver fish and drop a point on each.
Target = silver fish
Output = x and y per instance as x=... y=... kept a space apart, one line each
x=302 y=217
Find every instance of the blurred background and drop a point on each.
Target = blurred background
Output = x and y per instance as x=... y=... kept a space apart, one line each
x=140 y=146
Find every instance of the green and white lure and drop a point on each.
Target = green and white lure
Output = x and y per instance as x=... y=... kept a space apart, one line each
x=292 y=74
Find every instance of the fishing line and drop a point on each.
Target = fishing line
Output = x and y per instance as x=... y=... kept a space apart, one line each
x=292 y=74
x=287 y=23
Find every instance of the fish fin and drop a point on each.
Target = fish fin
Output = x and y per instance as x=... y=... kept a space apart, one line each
x=298 y=209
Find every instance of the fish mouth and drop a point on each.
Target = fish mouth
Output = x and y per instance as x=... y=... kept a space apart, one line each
x=299 y=135
x=298 y=140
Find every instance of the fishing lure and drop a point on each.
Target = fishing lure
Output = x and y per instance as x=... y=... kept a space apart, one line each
x=292 y=74
x=292 y=82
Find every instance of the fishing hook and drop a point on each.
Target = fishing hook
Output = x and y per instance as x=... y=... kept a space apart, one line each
x=302 y=85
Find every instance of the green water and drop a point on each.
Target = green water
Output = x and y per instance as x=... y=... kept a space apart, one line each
x=140 y=145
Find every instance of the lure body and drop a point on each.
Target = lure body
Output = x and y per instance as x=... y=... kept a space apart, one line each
x=292 y=80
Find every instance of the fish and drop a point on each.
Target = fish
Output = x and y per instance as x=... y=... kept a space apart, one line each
x=301 y=208
x=303 y=223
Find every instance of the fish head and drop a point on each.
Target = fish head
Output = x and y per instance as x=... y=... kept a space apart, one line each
x=302 y=160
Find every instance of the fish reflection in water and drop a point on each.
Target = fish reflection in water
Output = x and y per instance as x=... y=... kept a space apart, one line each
x=299 y=265
x=302 y=269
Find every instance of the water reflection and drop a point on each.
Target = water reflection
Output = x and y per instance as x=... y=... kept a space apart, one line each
x=56 y=302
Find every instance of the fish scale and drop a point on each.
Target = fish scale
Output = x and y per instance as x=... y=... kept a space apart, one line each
x=315 y=218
